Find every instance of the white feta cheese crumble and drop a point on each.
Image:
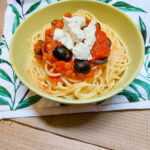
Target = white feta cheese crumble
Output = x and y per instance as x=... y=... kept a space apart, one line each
x=72 y=36
x=90 y=34
x=64 y=38
x=82 y=51
x=73 y=26
x=80 y=21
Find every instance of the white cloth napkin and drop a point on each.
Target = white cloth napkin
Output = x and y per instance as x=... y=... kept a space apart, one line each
x=17 y=101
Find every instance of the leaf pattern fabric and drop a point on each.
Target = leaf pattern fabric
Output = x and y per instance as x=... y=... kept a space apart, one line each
x=15 y=96
x=127 y=7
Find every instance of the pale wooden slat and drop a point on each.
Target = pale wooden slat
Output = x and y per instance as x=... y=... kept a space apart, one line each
x=14 y=136
x=2 y=10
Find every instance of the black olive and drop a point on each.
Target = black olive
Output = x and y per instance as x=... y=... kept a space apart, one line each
x=109 y=41
x=62 y=53
x=82 y=66
x=83 y=27
x=99 y=25
x=101 y=61
x=38 y=50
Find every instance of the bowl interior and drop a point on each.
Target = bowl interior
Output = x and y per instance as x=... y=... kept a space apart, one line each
x=20 y=51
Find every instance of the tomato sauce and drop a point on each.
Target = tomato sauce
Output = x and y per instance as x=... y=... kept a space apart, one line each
x=99 y=50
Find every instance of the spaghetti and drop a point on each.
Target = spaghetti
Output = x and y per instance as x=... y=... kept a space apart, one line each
x=104 y=78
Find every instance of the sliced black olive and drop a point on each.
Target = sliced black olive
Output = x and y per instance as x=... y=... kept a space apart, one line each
x=99 y=25
x=83 y=27
x=101 y=61
x=82 y=66
x=38 y=52
x=38 y=49
x=109 y=41
x=62 y=53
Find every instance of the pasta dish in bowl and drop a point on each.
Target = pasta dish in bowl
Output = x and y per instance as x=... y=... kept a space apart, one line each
x=79 y=54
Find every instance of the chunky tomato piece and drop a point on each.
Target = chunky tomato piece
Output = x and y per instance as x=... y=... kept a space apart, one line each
x=65 y=68
x=68 y=14
x=87 y=21
x=100 y=36
x=49 y=46
x=50 y=32
x=88 y=75
x=60 y=66
x=57 y=24
x=98 y=26
x=52 y=44
x=38 y=45
x=100 y=50
x=101 y=47
x=50 y=58
x=39 y=57
x=44 y=48
x=38 y=50
x=54 y=80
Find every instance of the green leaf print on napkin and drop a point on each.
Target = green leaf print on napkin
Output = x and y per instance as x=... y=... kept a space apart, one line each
x=19 y=2
x=3 y=101
x=16 y=23
x=132 y=97
x=127 y=7
x=148 y=66
x=4 y=61
x=25 y=94
x=4 y=92
x=48 y=1
x=144 y=85
x=29 y=101
x=1 y=44
x=4 y=75
x=33 y=7
x=136 y=90
x=14 y=10
x=17 y=17
x=142 y=28
x=4 y=43
x=14 y=77
x=0 y=51
x=147 y=50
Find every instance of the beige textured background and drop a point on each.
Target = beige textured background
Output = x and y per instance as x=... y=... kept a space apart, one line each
x=122 y=130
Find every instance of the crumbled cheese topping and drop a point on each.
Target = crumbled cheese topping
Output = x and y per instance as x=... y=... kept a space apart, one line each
x=80 y=42
x=64 y=38
x=81 y=51
x=90 y=34
x=73 y=26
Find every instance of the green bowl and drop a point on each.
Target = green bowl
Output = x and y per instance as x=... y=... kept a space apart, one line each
x=116 y=19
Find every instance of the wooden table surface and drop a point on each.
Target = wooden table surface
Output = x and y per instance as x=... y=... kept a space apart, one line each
x=32 y=138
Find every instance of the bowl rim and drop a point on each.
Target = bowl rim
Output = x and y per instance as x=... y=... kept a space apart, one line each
x=71 y=101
